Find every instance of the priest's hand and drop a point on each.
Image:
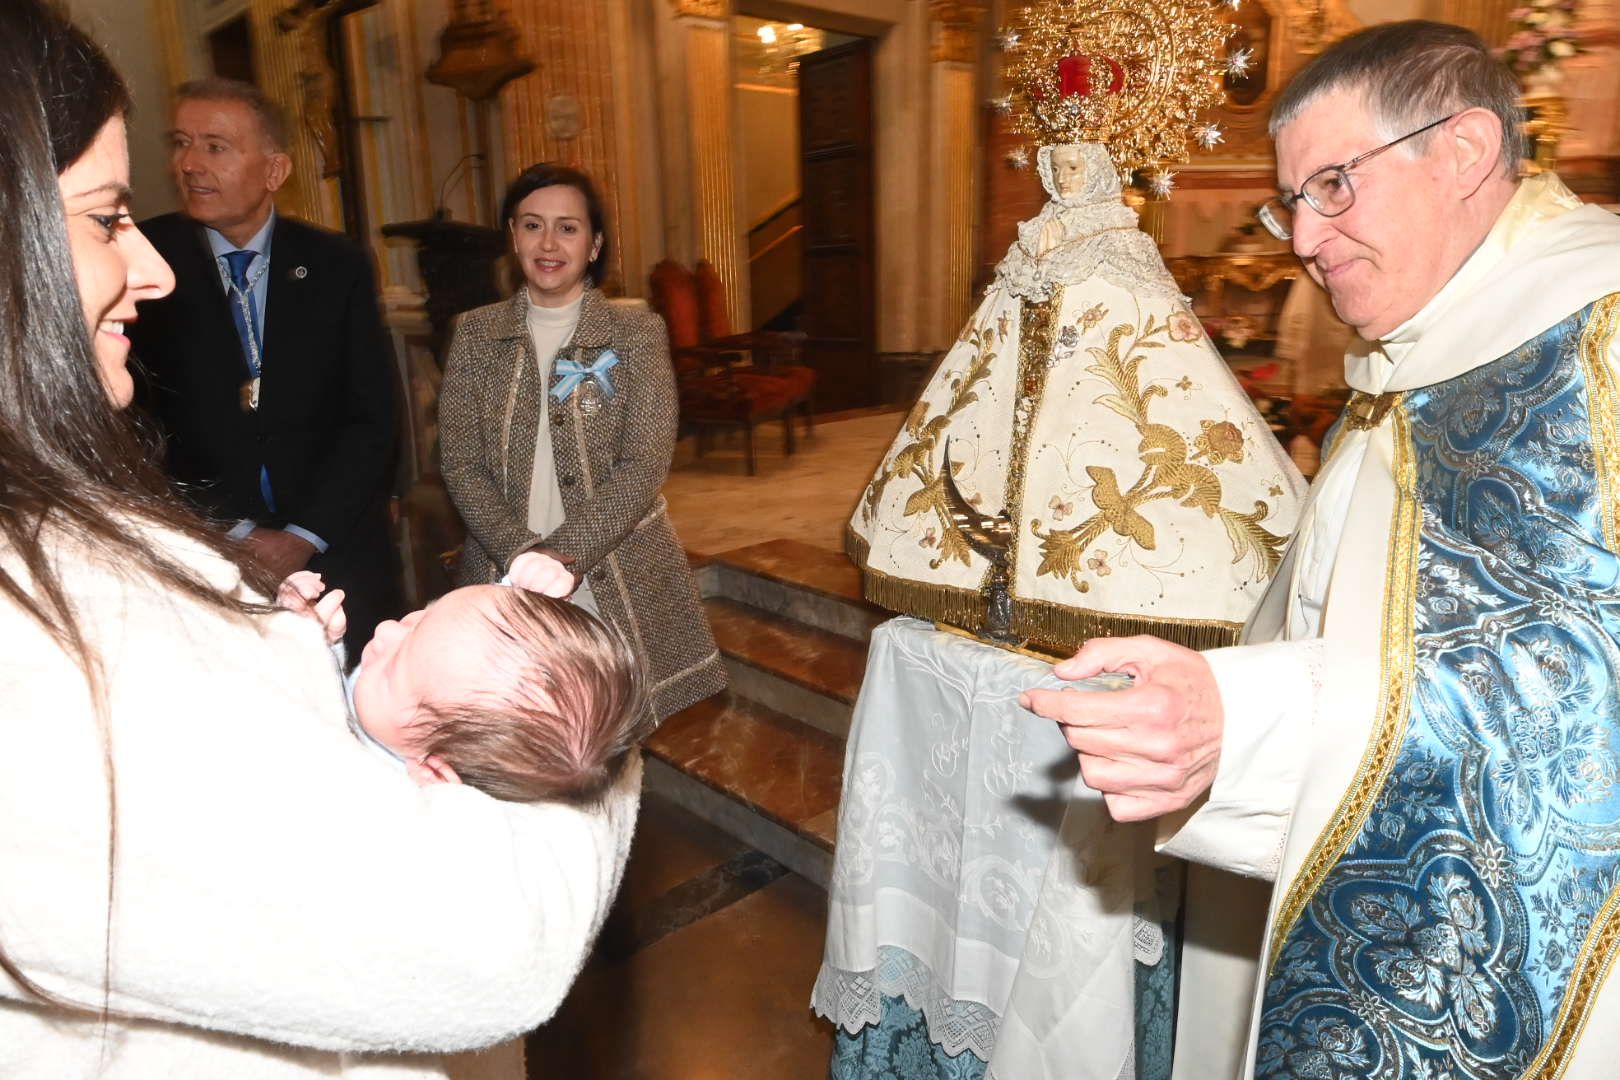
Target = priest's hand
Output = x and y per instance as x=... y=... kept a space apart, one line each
x=1151 y=749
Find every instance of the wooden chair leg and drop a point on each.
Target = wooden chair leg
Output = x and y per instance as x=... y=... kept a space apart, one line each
x=809 y=417
x=787 y=433
x=702 y=439
x=748 y=445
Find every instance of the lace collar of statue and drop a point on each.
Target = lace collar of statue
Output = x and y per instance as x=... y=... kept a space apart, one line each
x=1085 y=230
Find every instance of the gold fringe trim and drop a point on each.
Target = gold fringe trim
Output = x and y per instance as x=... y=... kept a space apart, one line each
x=1396 y=684
x=1053 y=630
x=1603 y=408
x=1042 y=620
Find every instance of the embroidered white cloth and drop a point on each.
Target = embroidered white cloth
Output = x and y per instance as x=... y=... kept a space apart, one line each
x=966 y=839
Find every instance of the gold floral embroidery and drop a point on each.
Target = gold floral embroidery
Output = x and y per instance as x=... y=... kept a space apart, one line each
x=1094 y=315
x=1220 y=441
x=1168 y=471
x=917 y=458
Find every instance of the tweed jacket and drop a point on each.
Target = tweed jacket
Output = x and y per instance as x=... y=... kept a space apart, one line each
x=610 y=465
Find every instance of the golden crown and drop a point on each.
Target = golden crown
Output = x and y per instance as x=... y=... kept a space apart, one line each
x=1133 y=75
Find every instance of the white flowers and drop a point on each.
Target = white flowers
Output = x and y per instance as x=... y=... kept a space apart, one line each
x=1239 y=62
x=1208 y=136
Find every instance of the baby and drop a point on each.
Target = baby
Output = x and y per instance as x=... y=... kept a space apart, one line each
x=513 y=691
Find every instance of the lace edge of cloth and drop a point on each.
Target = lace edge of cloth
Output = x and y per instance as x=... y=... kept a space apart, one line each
x=853 y=1000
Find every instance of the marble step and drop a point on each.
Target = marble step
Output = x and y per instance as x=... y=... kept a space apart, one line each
x=797 y=580
x=767 y=779
x=808 y=674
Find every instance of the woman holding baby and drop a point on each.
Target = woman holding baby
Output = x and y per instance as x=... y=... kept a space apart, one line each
x=202 y=873
x=557 y=422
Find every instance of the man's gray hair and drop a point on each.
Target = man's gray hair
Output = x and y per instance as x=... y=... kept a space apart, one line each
x=272 y=122
x=1410 y=74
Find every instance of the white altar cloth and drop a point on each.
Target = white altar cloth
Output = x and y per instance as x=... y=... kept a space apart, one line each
x=977 y=877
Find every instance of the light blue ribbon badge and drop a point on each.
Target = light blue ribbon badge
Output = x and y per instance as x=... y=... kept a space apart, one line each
x=571 y=373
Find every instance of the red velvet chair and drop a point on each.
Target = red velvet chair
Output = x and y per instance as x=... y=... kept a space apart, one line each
x=728 y=380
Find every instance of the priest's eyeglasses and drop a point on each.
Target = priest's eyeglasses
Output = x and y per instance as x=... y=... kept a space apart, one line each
x=1327 y=190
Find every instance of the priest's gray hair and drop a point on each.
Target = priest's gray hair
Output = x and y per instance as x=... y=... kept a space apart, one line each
x=1410 y=74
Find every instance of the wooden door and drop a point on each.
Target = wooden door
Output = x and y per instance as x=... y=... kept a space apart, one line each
x=835 y=169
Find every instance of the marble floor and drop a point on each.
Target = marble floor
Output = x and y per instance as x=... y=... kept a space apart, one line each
x=703 y=971
x=807 y=496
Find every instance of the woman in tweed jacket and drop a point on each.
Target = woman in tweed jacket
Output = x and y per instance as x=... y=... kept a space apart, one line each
x=607 y=411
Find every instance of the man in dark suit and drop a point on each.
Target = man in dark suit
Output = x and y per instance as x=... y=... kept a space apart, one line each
x=266 y=366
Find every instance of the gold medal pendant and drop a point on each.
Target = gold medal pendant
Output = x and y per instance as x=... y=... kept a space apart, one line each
x=590 y=397
x=250 y=395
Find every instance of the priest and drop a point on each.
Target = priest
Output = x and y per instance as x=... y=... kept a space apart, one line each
x=1417 y=740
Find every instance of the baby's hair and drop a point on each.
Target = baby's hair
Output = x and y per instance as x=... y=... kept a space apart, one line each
x=573 y=705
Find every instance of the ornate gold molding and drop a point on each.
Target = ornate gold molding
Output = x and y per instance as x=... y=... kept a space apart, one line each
x=956 y=30
x=703 y=9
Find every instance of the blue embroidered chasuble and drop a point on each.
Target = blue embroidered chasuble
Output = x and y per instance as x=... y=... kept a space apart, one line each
x=1476 y=907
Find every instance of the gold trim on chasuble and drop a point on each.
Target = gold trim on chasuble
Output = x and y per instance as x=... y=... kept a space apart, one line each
x=1598 y=951
x=1603 y=406
x=1395 y=680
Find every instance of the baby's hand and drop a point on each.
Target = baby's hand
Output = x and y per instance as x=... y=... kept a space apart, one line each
x=541 y=573
x=301 y=592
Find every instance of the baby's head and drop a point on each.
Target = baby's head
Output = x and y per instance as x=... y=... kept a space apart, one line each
x=517 y=694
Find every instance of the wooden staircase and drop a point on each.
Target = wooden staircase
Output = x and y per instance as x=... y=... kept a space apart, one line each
x=764 y=761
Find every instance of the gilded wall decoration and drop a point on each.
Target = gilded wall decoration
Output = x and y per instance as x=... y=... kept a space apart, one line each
x=703 y=9
x=1281 y=36
x=956 y=30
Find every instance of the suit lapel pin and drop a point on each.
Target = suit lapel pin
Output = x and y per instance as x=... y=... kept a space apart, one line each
x=300 y=272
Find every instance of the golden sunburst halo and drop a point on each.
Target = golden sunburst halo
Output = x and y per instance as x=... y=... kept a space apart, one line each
x=1134 y=75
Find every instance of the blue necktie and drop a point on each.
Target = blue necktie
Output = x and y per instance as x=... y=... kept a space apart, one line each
x=245 y=315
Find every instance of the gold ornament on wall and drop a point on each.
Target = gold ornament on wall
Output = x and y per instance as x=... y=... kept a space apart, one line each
x=1134 y=75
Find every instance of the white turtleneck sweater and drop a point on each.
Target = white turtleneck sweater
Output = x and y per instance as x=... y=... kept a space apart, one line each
x=550 y=330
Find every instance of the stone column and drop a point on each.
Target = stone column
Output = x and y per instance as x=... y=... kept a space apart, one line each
x=955 y=112
x=566 y=109
x=703 y=53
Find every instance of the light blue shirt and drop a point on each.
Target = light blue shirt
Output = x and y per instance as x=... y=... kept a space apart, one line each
x=260 y=292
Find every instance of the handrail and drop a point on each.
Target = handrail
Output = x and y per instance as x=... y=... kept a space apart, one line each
x=774 y=244
x=775 y=215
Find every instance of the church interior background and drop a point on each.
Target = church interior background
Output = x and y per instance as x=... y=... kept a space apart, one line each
x=843 y=171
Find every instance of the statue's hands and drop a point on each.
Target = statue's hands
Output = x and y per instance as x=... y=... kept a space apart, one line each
x=1149 y=750
x=542 y=572
x=1051 y=237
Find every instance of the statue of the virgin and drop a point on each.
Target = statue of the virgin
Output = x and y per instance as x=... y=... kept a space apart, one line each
x=1141 y=490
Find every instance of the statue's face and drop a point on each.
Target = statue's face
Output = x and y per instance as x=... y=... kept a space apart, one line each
x=1068 y=170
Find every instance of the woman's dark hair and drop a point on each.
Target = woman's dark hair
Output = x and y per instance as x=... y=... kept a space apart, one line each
x=73 y=472
x=549 y=174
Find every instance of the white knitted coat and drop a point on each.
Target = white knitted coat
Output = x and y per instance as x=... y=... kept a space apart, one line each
x=282 y=901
